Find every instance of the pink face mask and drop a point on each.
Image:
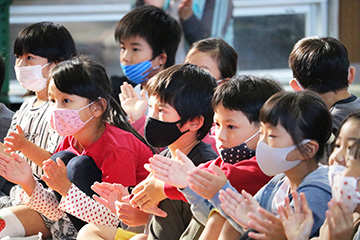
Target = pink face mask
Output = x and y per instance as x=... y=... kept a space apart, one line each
x=67 y=122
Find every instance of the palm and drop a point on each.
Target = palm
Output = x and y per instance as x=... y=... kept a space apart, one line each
x=15 y=169
x=109 y=193
x=134 y=106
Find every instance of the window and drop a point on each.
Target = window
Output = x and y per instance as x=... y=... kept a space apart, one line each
x=266 y=31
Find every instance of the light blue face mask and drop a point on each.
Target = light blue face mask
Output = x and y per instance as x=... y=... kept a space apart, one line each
x=137 y=73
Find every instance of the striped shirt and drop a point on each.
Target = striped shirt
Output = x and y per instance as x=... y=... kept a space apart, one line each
x=34 y=121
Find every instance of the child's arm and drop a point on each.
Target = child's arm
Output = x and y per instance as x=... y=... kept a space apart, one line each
x=18 y=142
x=74 y=201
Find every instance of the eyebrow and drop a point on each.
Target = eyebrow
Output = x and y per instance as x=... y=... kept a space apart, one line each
x=133 y=43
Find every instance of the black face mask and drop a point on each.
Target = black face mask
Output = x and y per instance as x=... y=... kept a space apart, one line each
x=161 y=134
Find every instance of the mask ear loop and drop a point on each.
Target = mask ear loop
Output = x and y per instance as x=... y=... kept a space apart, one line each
x=252 y=136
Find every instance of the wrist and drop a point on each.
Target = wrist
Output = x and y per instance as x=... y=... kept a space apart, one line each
x=65 y=189
x=29 y=186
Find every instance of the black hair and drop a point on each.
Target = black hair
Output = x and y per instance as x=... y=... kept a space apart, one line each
x=320 y=64
x=355 y=150
x=222 y=52
x=46 y=39
x=246 y=93
x=158 y=28
x=352 y=116
x=189 y=90
x=85 y=78
x=2 y=72
x=303 y=115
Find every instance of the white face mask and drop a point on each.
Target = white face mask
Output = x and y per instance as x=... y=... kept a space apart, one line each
x=31 y=78
x=344 y=188
x=272 y=160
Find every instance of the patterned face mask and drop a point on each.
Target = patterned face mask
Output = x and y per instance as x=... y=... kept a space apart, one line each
x=67 y=122
x=344 y=188
x=237 y=153
x=138 y=73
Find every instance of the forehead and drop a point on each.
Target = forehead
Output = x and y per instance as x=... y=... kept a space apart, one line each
x=135 y=40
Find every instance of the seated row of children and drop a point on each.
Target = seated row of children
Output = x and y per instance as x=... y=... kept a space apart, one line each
x=78 y=141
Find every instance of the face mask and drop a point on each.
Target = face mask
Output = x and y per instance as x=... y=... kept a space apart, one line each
x=344 y=188
x=67 y=122
x=272 y=160
x=161 y=134
x=31 y=78
x=238 y=153
x=137 y=73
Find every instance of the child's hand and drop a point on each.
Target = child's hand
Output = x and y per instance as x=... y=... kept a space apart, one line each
x=56 y=176
x=17 y=140
x=130 y=216
x=109 y=193
x=298 y=222
x=237 y=206
x=207 y=184
x=172 y=171
x=185 y=10
x=269 y=227
x=338 y=223
x=16 y=169
x=133 y=105
x=148 y=193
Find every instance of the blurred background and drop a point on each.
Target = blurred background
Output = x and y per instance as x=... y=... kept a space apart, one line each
x=264 y=32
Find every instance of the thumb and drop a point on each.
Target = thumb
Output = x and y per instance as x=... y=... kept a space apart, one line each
x=157 y=211
x=181 y=156
x=217 y=170
x=143 y=95
x=147 y=167
x=60 y=163
x=19 y=129
x=17 y=157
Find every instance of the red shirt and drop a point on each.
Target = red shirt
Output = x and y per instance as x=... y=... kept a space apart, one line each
x=117 y=153
x=245 y=174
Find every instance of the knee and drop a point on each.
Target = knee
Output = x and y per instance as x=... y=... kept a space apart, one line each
x=65 y=156
x=83 y=167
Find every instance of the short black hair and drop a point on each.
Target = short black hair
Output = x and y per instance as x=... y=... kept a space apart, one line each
x=189 y=90
x=222 y=52
x=246 y=93
x=320 y=64
x=158 y=28
x=303 y=114
x=46 y=39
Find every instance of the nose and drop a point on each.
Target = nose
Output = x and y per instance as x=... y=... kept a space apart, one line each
x=124 y=57
x=337 y=156
x=220 y=134
x=153 y=113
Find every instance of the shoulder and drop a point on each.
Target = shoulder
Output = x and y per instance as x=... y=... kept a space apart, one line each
x=202 y=152
x=317 y=179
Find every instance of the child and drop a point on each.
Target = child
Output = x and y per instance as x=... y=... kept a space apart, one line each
x=214 y=55
x=99 y=145
x=294 y=129
x=322 y=65
x=348 y=134
x=346 y=199
x=38 y=48
x=180 y=115
x=237 y=104
x=148 y=39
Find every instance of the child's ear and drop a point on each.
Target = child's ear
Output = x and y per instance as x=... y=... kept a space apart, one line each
x=162 y=58
x=310 y=149
x=351 y=74
x=295 y=85
x=99 y=107
x=196 y=123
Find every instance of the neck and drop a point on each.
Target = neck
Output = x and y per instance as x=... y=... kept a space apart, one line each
x=297 y=174
x=330 y=98
x=41 y=97
x=185 y=143
x=91 y=132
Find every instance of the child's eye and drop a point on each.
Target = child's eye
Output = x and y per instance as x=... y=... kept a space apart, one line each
x=337 y=146
x=161 y=111
x=30 y=57
x=66 y=100
x=52 y=100
x=217 y=124
x=231 y=127
x=136 y=49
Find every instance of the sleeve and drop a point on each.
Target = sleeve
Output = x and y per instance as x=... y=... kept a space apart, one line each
x=173 y=193
x=78 y=204
x=217 y=204
x=194 y=29
x=44 y=201
x=119 y=166
x=200 y=207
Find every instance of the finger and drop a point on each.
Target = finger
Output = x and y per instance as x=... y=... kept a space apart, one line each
x=19 y=129
x=248 y=196
x=257 y=236
x=100 y=200
x=143 y=95
x=202 y=176
x=128 y=92
x=157 y=211
x=217 y=170
x=147 y=167
x=60 y=163
x=182 y=157
x=5 y=157
x=198 y=190
x=258 y=223
x=138 y=188
x=288 y=208
x=197 y=181
x=160 y=161
x=297 y=207
x=122 y=189
x=282 y=213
